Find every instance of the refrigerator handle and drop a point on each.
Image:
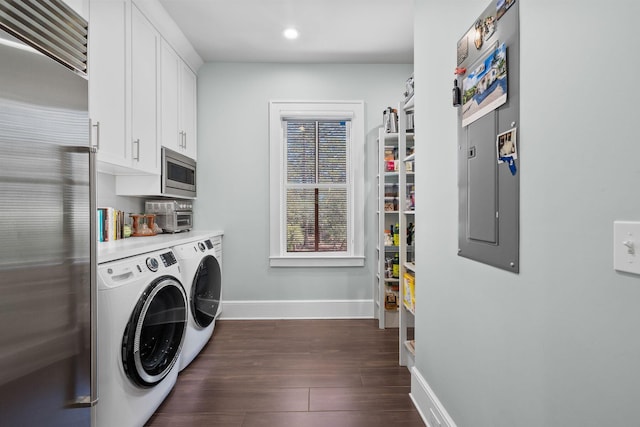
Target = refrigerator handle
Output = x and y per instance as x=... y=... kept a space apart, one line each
x=93 y=253
x=84 y=401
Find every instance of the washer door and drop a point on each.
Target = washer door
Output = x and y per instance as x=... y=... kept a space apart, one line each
x=153 y=337
x=205 y=291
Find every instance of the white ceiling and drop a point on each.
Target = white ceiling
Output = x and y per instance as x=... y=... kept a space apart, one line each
x=333 y=31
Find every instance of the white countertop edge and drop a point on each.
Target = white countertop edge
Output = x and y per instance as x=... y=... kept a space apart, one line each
x=132 y=246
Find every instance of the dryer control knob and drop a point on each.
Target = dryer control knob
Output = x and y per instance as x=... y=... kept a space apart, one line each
x=201 y=246
x=152 y=264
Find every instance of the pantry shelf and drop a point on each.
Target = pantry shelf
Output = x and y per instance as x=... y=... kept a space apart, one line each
x=395 y=180
x=407 y=271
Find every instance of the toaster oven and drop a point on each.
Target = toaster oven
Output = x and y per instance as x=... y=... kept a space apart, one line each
x=172 y=215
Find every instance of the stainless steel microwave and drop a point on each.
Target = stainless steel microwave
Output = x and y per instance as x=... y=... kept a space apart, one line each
x=178 y=174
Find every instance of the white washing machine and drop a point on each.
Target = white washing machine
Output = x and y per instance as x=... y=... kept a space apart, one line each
x=201 y=263
x=142 y=320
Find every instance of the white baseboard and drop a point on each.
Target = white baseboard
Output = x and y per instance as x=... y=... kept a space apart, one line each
x=301 y=309
x=427 y=403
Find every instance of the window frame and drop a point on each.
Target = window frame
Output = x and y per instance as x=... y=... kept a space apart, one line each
x=352 y=111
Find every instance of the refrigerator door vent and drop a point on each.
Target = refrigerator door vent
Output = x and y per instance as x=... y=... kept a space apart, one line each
x=51 y=27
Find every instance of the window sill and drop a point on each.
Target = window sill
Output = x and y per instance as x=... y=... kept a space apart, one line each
x=317 y=261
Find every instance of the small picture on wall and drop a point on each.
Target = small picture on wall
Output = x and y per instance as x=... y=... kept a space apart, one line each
x=483 y=28
x=478 y=34
x=463 y=49
x=502 y=6
x=485 y=87
x=489 y=27
x=506 y=146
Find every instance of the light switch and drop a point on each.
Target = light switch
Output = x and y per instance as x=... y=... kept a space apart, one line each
x=626 y=246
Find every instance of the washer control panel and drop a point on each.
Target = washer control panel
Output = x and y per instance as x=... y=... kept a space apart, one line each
x=168 y=259
x=141 y=267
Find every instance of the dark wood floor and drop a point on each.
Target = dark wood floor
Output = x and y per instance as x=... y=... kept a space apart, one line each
x=294 y=373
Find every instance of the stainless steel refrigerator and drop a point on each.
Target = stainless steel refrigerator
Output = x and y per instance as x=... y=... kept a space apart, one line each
x=47 y=217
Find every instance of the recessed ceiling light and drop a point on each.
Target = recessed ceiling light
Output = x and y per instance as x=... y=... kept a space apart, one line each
x=291 y=33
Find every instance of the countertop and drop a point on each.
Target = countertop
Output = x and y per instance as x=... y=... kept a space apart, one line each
x=123 y=248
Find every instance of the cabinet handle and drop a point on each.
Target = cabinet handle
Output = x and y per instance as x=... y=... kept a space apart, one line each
x=97 y=126
x=181 y=141
x=137 y=143
x=184 y=136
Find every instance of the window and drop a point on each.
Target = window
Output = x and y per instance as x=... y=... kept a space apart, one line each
x=316 y=188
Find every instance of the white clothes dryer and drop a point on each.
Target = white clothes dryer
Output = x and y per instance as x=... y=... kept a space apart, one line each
x=142 y=319
x=201 y=265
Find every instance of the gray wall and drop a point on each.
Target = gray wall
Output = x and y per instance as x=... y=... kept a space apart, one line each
x=106 y=196
x=233 y=169
x=559 y=344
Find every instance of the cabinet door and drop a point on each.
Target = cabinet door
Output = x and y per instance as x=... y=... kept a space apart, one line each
x=171 y=134
x=107 y=85
x=188 y=110
x=144 y=88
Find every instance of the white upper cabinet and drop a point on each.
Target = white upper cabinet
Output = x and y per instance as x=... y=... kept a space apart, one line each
x=107 y=81
x=171 y=135
x=188 y=98
x=123 y=51
x=178 y=103
x=145 y=42
x=142 y=94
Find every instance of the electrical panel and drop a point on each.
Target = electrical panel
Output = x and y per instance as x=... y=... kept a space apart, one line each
x=486 y=92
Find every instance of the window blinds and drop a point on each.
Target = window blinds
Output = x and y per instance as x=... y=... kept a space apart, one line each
x=316 y=185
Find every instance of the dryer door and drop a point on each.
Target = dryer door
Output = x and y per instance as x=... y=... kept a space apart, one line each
x=153 y=338
x=205 y=291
